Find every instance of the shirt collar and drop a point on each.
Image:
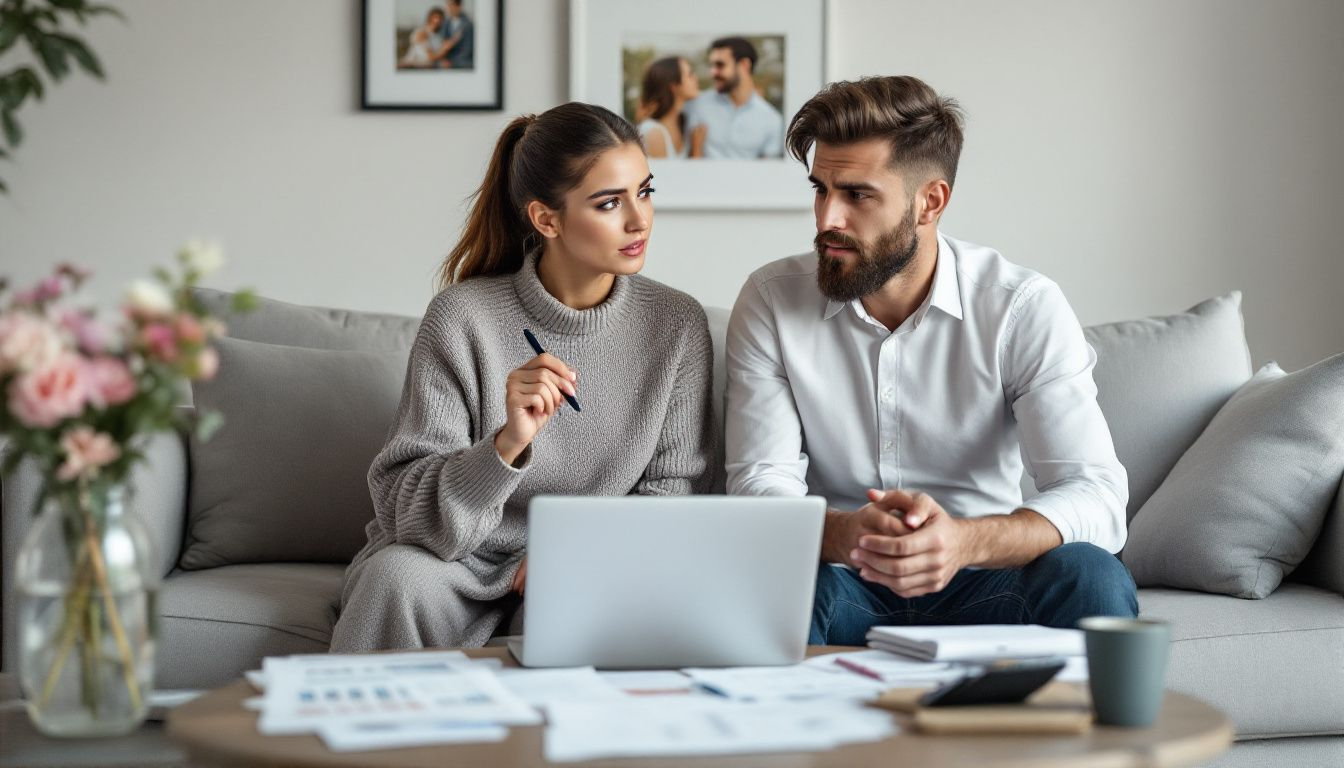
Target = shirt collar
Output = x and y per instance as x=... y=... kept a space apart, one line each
x=945 y=293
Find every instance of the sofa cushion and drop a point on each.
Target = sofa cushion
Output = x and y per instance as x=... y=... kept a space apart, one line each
x=1243 y=506
x=1274 y=666
x=284 y=480
x=278 y=322
x=217 y=623
x=1160 y=380
x=1324 y=565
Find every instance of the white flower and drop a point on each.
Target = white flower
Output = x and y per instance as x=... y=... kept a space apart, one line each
x=149 y=299
x=27 y=342
x=205 y=256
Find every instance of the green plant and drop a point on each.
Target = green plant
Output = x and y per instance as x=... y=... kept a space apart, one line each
x=44 y=26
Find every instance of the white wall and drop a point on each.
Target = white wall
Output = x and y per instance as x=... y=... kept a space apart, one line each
x=1145 y=154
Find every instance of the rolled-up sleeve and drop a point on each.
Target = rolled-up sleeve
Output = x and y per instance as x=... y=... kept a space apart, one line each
x=763 y=433
x=1047 y=366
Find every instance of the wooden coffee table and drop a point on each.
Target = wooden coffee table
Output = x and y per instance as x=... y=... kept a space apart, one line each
x=216 y=730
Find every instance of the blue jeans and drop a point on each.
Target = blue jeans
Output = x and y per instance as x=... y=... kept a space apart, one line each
x=1056 y=589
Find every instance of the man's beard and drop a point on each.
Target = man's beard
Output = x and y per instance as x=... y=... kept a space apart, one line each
x=889 y=255
x=727 y=85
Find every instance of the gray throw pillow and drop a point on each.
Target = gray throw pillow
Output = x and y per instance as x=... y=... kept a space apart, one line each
x=285 y=478
x=1243 y=506
x=1160 y=380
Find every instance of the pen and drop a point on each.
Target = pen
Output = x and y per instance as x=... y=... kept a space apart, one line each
x=536 y=347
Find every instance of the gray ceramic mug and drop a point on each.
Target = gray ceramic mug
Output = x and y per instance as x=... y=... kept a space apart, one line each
x=1127 y=664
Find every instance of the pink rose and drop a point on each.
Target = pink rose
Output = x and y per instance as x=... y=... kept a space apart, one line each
x=50 y=289
x=207 y=364
x=92 y=336
x=26 y=342
x=188 y=328
x=41 y=398
x=85 y=452
x=110 y=382
x=160 y=340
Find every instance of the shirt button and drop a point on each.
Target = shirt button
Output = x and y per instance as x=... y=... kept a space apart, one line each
x=886 y=394
x=886 y=446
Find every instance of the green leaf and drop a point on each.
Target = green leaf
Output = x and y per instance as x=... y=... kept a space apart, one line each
x=81 y=53
x=244 y=300
x=4 y=190
x=16 y=86
x=68 y=5
x=207 y=424
x=13 y=133
x=104 y=10
x=53 y=56
x=9 y=32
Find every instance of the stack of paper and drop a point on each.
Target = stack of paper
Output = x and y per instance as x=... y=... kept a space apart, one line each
x=977 y=642
x=693 y=725
x=380 y=700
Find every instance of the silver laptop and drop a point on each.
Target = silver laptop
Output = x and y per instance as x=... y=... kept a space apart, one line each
x=640 y=582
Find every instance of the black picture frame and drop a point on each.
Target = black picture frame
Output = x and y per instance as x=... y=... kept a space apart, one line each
x=378 y=92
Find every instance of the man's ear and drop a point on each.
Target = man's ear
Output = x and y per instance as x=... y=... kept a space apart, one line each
x=934 y=196
x=545 y=219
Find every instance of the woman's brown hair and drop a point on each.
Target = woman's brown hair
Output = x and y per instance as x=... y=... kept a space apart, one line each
x=537 y=157
x=656 y=90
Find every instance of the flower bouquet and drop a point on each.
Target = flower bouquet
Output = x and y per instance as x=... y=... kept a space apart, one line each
x=78 y=400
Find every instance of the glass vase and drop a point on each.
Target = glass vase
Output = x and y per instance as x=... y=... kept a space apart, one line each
x=88 y=623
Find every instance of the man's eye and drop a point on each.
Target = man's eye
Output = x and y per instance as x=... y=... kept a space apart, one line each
x=820 y=190
x=857 y=195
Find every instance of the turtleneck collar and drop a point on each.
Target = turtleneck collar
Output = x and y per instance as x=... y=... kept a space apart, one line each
x=553 y=315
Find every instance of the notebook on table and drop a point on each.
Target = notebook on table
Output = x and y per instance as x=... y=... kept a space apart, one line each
x=977 y=641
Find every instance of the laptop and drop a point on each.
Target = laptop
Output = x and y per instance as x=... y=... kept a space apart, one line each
x=647 y=582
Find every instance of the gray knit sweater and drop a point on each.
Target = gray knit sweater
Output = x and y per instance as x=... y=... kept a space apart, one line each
x=644 y=361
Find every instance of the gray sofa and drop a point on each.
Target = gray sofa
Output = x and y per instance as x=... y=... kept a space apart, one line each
x=1275 y=665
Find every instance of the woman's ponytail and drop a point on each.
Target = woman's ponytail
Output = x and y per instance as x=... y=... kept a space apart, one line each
x=492 y=239
x=560 y=146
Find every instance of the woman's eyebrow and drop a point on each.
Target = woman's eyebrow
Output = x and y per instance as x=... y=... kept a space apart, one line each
x=618 y=190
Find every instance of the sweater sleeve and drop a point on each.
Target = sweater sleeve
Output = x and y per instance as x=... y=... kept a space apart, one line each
x=432 y=485
x=687 y=448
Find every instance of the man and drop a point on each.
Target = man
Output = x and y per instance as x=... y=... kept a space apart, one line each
x=921 y=368
x=740 y=124
x=459 y=37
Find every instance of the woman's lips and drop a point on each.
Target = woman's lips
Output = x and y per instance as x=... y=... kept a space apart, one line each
x=634 y=249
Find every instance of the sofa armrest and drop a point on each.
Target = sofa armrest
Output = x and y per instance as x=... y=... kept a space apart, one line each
x=158 y=494
x=1324 y=564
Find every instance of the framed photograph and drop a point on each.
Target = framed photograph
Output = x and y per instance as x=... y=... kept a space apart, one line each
x=433 y=54
x=710 y=85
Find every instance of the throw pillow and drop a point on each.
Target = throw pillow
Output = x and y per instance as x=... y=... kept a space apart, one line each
x=1160 y=380
x=1243 y=506
x=285 y=478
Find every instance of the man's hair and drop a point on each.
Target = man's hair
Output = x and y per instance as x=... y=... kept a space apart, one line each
x=923 y=129
x=741 y=49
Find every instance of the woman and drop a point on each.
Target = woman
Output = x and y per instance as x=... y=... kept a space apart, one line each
x=668 y=84
x=554 y=242
x=424 y=41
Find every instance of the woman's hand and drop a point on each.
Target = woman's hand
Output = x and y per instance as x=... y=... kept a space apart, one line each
x=520 y=578
x=533 y=393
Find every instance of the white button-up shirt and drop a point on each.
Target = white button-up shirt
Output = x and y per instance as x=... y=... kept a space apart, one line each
x=991 y=368
x=749 y=132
